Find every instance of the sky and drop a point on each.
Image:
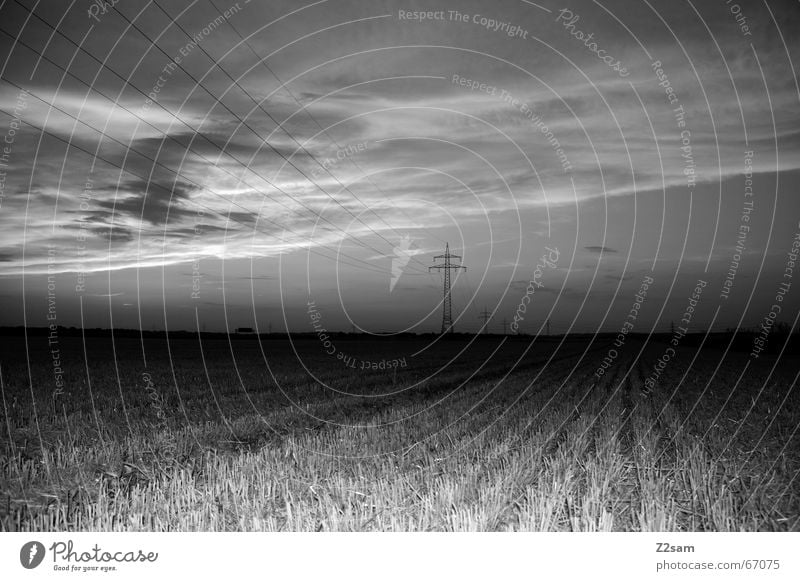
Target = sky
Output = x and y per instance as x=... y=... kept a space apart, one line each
x=213 y=165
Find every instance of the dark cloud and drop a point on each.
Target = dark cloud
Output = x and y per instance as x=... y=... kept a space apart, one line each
x=198 y=231
x=246 y=218
x=154 y=202
x=115 y=234
x=600 y=249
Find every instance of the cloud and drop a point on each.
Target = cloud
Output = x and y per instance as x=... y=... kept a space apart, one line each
x=600 y=249
x=450 y=162
x=154 y=202
x=115 y=234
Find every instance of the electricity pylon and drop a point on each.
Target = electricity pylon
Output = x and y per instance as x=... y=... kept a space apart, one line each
x=447 y=313
x=485 y=315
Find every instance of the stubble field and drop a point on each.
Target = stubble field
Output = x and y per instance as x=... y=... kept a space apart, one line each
x=472 y=434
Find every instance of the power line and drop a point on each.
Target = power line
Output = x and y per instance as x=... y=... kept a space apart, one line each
x=485 y=315
x=153 y=160
x=195 y=132
x=447 y=314
x=249 y=127
x=309 y=114
x=196 y=203
x=146 y=179
x=189 y=149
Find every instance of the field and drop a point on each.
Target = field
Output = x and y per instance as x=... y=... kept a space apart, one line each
x=471 y=434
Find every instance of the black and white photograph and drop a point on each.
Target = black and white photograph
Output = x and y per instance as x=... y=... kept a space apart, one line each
x=399 y=266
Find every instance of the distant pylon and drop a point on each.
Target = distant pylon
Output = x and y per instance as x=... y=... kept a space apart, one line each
x=505 y=327
x=548 y=326
x=485 y=315
x=447 y=313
